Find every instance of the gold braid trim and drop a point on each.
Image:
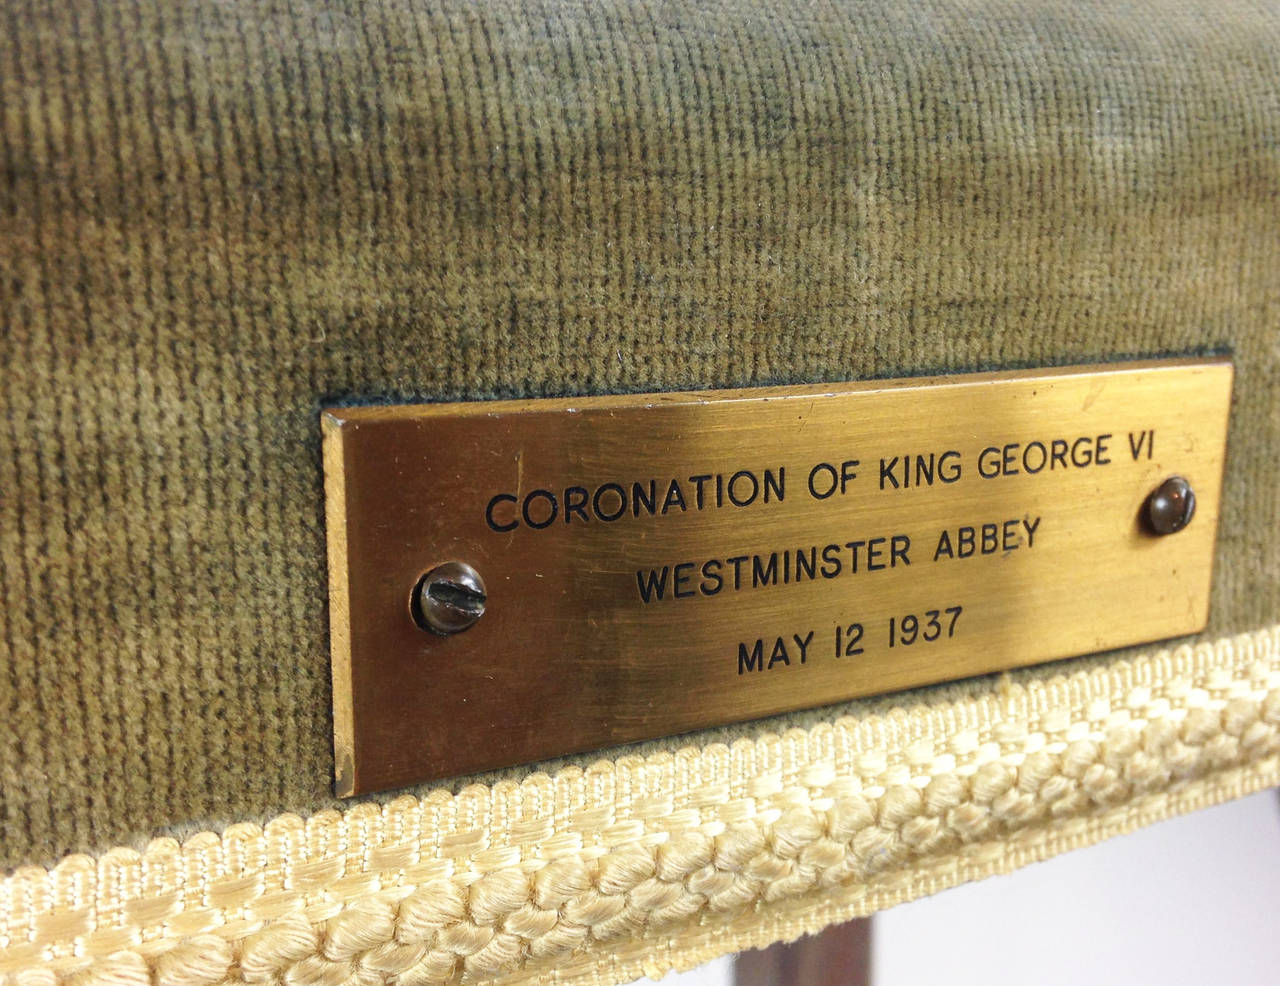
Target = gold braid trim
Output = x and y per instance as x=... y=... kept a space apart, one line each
x=639 y=865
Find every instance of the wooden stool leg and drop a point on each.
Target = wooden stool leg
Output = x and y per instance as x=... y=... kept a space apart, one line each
x=839 y=956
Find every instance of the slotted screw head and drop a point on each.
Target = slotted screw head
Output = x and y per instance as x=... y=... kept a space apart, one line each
x=1171 y=506
x=449 y=598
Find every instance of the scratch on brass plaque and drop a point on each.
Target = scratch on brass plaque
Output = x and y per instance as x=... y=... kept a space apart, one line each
x=516 y=580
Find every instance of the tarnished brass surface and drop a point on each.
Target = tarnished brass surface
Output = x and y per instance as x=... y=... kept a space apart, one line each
x=877 y=536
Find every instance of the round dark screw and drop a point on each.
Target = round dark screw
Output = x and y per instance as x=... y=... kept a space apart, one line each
x=1170 y=508
x=449 y=598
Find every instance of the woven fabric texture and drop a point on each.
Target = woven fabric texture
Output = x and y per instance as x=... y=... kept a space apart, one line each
x=643 y=864
x=216 y=217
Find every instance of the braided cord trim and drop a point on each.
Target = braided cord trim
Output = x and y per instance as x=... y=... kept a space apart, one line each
x=639 y=865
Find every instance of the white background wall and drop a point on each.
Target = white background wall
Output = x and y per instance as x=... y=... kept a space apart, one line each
x=1194 y=900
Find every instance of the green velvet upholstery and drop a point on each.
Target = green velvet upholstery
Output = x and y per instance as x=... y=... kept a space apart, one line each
x=217 y=217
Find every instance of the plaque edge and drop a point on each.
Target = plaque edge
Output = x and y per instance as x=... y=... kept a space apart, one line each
x=342 y=415
x=333 y=454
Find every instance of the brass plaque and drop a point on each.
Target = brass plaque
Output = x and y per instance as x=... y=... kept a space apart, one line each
x=656 y=564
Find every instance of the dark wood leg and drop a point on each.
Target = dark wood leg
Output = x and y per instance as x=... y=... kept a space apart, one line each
x=839 y=956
